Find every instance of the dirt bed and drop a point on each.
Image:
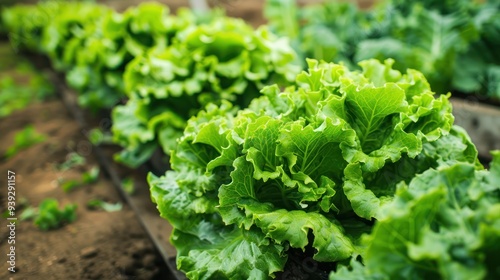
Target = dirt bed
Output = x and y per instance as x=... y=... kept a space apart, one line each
x=98 y=244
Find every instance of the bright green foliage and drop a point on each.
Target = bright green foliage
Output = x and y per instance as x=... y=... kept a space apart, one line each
x=444 y=224
x=92 y=43
x=23 y=140
x=88 y=177
x=330 y=31
x=453 y=43
x=106 y=206
x=224 y=59
x=307 y=167
x=64 y=35
x=62 y=30
x=111 y=44
x=24 y=24
x=51 y=217
x=20 y=87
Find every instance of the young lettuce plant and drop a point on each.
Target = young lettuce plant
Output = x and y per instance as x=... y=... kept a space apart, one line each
x=225 y=59
x=307 y=168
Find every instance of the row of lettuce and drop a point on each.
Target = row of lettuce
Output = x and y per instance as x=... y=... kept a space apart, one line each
x=362 y=170
x=454 y=43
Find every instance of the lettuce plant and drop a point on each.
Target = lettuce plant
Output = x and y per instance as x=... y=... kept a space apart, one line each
x=453 y=43
x=225 y=59
x=307 y=168
x=24 y=24
x=98 y=72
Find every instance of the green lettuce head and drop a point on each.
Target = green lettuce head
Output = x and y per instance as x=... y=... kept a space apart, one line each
x=309 y=168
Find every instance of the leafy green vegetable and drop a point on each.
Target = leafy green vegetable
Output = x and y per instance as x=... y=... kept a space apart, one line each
x=112 y=43
x=25 y=24
x=94 y=45
x=423 y=39
x=478 y=70
x=51 y=217
x=87 y=178
x=170 y=67
x=452 y=43
x=330 y=31
x=444 y=224
x=23 y=140
x=20 y=83
x=28 y=213
x=222 y=60
x=306 y=168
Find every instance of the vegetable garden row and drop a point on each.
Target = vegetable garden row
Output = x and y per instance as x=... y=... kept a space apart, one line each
x=329 y=135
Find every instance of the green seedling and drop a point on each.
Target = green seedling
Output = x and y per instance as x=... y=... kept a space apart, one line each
x=23 y=140
x=91 y=176
x=28 y=214
x=99 y=137
x=51 y=217
x=87 y=178
x=73 y=159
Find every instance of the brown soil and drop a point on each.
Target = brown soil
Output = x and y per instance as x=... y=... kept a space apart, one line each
x=99 y=244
